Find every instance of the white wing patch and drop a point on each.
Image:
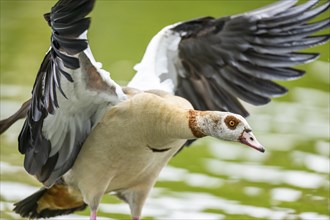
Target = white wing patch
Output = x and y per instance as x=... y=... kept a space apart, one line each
x=68 y=128
x=157 y=68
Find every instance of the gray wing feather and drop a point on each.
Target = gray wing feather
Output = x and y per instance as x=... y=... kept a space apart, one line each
x=68 y=22
x=236 y=58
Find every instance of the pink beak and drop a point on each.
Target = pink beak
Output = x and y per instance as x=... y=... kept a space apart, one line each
x=248 y=139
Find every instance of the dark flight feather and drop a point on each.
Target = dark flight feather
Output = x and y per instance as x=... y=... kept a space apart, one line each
x=68 y=22
x=239 y=56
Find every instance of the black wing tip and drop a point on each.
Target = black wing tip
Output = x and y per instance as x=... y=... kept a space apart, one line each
x=311 y=57
x=298 y=74
x=283 y=91
x=325 y=38
x=321 y=39
x=47 y=18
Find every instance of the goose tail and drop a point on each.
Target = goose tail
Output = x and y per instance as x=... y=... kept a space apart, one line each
x=46 y=203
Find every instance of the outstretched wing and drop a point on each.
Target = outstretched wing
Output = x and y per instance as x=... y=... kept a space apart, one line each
x=215 y=62
x=69 y=96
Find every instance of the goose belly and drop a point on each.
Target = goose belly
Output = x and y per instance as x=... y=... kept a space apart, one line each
x=119 y=166
x=143 y=166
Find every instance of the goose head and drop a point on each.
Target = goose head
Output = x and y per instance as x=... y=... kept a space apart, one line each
x=225 y=126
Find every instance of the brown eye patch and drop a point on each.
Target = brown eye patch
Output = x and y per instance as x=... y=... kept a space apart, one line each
x=232 y=122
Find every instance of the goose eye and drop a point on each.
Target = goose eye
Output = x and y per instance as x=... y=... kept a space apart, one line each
x=231 y=122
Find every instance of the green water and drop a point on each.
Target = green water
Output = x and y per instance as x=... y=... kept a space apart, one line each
x=211 y=179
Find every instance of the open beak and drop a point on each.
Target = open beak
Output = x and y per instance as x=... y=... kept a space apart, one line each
x=248 y=139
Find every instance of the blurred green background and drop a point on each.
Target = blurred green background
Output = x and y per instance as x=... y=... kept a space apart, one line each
x=294 y=128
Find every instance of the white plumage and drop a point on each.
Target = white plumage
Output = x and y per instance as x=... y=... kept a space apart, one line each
x=157 y=67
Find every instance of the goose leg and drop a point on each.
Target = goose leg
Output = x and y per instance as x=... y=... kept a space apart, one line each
x=136 y=197
x=92 y=198
x=93 y=215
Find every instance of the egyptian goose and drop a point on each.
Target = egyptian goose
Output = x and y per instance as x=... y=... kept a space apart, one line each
x=84 y=135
